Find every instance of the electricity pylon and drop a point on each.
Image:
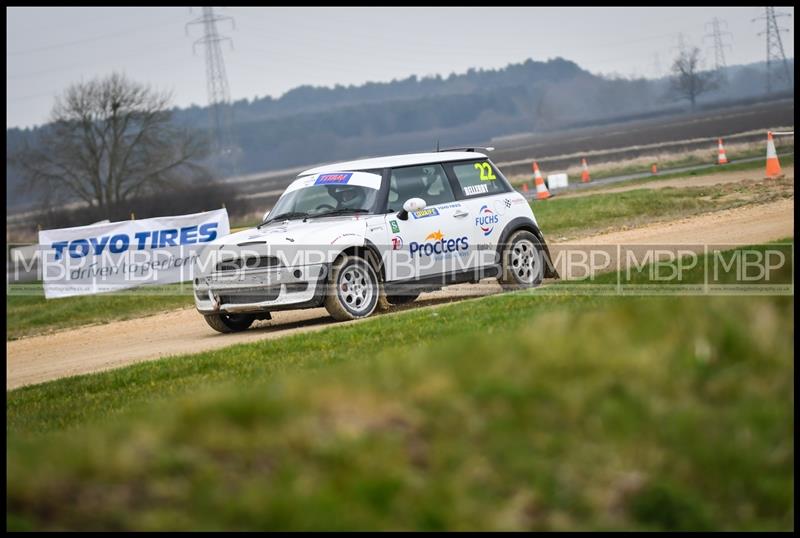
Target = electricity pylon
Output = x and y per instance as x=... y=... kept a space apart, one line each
x=219 y=97
x=717 y=36
x=777 y=67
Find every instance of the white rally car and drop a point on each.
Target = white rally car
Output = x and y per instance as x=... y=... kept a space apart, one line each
x=351 y=235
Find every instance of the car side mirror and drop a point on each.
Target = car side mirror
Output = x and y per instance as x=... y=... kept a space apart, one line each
x=411 y=205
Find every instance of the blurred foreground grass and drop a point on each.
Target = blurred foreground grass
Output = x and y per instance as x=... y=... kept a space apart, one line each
x=517 y=411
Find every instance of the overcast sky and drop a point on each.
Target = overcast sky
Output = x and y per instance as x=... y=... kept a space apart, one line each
x=276 y=49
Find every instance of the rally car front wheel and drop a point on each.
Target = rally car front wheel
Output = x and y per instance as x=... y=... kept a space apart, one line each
x=353 y=289
x=230 y=323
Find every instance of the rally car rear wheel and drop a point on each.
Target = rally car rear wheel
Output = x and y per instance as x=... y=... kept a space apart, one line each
x=353 y=289
x=230 y=323
x=523 y=262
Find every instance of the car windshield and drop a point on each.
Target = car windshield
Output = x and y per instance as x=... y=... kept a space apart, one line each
x=320 y=200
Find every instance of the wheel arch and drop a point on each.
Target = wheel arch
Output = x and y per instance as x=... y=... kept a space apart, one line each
x=527 y=224
x=369 y=252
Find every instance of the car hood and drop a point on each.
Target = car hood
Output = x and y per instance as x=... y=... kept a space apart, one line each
x=347 y=230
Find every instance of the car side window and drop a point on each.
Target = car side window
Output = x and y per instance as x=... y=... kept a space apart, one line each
x=478 y=179
x=428 y=182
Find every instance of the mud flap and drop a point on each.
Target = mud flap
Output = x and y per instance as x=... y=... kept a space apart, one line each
x=549 y=266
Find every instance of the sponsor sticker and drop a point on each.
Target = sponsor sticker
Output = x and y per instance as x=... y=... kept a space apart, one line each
x=422 y=213
x=337 y=238
x=333 y=179
x=395 y=226
x=434 y=236
x=436 y=244
x=476 y=189
x=486 y=220
x=397 y=242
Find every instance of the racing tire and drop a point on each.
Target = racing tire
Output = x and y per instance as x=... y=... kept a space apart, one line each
x=524 y=261
x=402 y=299
x=230 y=323
x=353 y=289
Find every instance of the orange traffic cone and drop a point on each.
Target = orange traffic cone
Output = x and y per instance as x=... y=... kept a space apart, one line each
x=541 y=189
x=585 y=174
x=773 y=165
x=525 y=187
x=654 y=169
x=722 y=159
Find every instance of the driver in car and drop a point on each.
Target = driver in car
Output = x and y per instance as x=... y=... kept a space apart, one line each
x=347 y=196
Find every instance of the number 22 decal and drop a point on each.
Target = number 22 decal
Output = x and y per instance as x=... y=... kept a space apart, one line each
x=486 y=171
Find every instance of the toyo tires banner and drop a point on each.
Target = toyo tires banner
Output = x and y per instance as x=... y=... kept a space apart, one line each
x=114 y=256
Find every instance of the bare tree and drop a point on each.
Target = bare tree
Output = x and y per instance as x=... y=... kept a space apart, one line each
x=689 y=81
x=110 y=140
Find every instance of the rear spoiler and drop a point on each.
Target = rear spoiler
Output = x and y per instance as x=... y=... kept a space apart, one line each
x=474 y=148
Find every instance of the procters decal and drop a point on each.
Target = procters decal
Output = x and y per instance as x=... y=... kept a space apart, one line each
x=436 y=244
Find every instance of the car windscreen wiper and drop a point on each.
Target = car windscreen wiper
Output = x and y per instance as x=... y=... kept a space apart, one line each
x=284 y=216
x=342 y=211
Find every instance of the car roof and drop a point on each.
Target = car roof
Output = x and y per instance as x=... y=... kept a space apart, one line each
x=395 y=160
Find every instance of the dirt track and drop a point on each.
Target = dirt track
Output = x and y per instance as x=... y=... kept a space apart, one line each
x=96 y=348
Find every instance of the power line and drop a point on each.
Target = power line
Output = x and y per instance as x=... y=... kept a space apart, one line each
x=88 y=39
x=717 y=35
x=92 y=62
x=777 y=67
x=219 y=96
x=657 y=64
x=681 y=44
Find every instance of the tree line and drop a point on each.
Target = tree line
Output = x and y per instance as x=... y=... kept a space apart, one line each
x=113 y=139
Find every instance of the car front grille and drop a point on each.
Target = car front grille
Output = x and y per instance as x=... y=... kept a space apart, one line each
x=250 y=262
x=248 y=296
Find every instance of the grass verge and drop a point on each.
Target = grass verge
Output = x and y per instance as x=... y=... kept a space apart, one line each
x=29 y=313
x=519 y=411
x=584 y=215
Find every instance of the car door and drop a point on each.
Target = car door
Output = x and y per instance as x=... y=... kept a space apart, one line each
x=483 y=193
x=432 y=241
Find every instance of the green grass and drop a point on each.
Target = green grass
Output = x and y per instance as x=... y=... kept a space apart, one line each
x=29 y=313
x=581 y=215
x=543 y=411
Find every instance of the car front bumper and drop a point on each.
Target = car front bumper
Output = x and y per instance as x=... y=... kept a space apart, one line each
x=265 y=290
